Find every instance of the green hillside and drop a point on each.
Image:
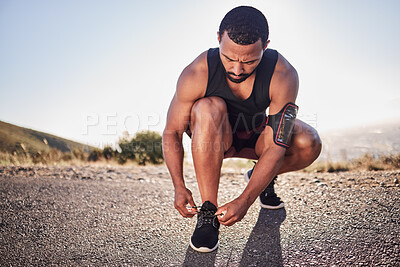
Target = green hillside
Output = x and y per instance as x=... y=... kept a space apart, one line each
x=15 y=138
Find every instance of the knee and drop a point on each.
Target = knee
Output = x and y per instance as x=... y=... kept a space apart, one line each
x=209 y=109
x=310 y=144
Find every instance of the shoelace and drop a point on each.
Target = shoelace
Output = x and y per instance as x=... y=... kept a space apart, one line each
x=208 y=213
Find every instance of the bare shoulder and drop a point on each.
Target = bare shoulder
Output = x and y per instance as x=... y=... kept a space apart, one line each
x=192 y=83
x=284 y=83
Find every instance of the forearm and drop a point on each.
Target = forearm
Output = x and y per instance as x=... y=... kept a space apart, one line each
x=173 y=156
x=265 y=170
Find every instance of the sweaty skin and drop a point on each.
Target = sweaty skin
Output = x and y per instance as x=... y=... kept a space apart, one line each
x=188 y=105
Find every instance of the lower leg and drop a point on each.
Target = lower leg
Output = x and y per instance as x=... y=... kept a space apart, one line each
x=207 y=159
x=210 y=139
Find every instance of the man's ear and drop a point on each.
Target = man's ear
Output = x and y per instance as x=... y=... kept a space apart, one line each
x=219 y=37
x=266 y=45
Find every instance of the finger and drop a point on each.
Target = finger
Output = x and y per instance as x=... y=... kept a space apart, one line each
x=229 y=222
x=182 y=209
x=221 y=210
x=228 y=219
x=192 y=204
x=192 y=209
x=189 y=210
x=179 y=209
x=184 y=212
x=225 y=214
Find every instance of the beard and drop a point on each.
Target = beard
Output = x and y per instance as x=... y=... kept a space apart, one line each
x=242 y=76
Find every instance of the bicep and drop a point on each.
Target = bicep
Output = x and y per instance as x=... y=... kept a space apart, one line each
x=284 y=87
x=283 y=110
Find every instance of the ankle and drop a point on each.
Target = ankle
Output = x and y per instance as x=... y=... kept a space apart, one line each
x=212 y=201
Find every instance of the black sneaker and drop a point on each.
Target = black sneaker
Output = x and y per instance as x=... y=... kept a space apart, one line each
x=205 y=236
x=268 y=197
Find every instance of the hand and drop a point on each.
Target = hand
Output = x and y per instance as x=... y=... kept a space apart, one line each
x=233 y=212
x=183 y=197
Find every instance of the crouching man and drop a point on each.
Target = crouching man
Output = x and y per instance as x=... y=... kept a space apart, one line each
x=220 y=102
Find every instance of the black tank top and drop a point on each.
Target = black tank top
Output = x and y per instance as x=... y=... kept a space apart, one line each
x=247 y=114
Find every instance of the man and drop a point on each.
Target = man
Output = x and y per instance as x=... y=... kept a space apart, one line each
x=220 y=102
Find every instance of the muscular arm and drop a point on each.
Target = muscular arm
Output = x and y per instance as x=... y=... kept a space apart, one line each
x=283 y=89
x=191 y=86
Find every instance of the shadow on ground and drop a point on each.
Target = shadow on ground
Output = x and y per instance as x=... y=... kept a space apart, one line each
x=263 y=247
x=194 y=258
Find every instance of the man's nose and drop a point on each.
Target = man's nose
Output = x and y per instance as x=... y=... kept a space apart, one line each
x=237 y=68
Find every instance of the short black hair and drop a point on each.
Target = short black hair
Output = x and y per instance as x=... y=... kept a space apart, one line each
x=245 y=25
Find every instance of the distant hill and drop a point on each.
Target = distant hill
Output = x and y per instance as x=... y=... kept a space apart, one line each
x=15 y=138
x=376 y=139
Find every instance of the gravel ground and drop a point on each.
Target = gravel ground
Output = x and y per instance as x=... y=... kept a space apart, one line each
x=124 y=216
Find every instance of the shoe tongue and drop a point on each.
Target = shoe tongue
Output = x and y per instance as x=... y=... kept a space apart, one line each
x=209 y=206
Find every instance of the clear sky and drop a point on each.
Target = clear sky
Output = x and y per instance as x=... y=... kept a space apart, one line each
x=89 y=70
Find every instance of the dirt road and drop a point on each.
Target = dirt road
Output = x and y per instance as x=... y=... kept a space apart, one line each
x=124 y=216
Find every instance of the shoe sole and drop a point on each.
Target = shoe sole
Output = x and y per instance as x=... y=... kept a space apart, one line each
x=203 y=249
x=247 y=178
x=271 y=207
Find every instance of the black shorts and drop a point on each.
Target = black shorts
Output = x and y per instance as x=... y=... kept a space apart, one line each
x=243 y=139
